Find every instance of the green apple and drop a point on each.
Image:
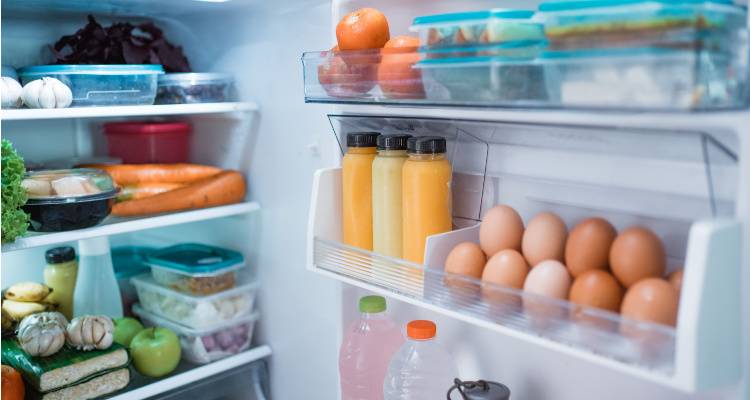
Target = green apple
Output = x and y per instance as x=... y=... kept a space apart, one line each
x=125 y=330
x=155 y=351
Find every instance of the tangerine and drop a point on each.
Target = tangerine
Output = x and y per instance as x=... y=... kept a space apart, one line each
x=366 y=28
x=396 y=75
x=352 y=78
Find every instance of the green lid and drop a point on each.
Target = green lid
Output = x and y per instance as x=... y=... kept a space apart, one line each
x=372 y=304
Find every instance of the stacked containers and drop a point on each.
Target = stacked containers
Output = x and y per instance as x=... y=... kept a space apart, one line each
x=203 y=291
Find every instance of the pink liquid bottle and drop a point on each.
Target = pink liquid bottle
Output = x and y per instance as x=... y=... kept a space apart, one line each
x=366 y=351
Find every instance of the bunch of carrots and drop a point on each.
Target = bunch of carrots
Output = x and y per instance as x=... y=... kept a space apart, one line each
x=158 y=188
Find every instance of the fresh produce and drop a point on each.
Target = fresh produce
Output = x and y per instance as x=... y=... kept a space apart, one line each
x=136 y=174
x=155 y=351
x=10 y=91
x=397 y=76
x=18 y=310
x=42 y=334
x=12 y=384
x=366 y=28
x=14 y=220
x=651 y=299
x=27 y=291
x=351 y=78
x=637 y=253
x=120 y=43
x=47 y=93
x=145 y=189
x=91 y=332
x=224 y=188
x=125 y=330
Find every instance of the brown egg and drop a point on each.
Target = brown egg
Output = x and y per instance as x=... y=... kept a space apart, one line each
x=506 y=268
x=675 y=278
x=588 y=246
x=544 y=239
x=501 y=228
x=637 y=253
x=597 y=288
x=651 y=299
x=548 y=278
x=466 y=259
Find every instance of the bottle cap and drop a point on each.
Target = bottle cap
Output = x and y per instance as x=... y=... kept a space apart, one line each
x=421 y=329
x=60 y=255
x=362 y=139
x=372 y=304
x=426 y=145
x=392 y=142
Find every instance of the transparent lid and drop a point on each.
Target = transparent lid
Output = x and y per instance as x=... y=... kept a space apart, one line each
x=187 y=331
x=129 y=261
x=196 y=259
x=470 y=17
x=569 y=5
x=195 y=78
x=93 y=69
x=68 y=185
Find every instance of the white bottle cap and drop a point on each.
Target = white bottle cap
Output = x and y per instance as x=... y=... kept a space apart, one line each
x=93 y=247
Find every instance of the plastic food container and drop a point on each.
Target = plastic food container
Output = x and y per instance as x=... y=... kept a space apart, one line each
x=181 y=88
x=202 y=346
x=199 y=312
x=102 y=85
x=129 y=261
x=66 y=199
x=195 y=268
x=148 y=142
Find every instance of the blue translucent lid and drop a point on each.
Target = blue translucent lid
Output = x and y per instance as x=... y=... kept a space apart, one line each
x=129 y=261
x=565 y=5
x=96 y=69
x=627 y=52
x=472 y=16
x=195 y=259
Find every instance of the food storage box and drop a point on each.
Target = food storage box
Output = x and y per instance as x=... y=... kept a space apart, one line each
x=181 y=88
x=129 y=261
x=141 y=142
x=195 y=268
x=102 y=85
x=66 y=199
x=199 y=312
x=202 y=346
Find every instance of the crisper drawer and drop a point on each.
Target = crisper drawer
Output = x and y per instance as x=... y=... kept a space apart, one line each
x=247 y=382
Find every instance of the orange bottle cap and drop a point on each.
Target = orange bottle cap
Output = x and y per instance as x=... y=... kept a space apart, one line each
x=421 y=329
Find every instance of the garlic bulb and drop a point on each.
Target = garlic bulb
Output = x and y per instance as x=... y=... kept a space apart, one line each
x=91 y=332
x=10 y=91
x=42 y=334
x=47 y=93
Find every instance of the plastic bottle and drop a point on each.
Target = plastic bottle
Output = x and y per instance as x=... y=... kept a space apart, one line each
x=60 y=274
x=96 y=290
x=356 y=188
x=387 y=220
x=421 y=369
x=366 y=350
x=427 y=194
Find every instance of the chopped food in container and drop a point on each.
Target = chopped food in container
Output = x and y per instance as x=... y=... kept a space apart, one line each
x=195 y=268
x=199 y=312
x=189 y=87
x=66 y=199
x=202 y=346
x=102 y=85
x=129 y=261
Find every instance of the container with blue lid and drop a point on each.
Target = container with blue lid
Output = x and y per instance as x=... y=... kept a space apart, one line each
x=196 y=269
x=102 y=85
x=129 y=261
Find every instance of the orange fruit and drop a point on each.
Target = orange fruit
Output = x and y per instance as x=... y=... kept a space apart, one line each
x=12 y=384
x=397 y=76
x=366 y=28
x=352 y=78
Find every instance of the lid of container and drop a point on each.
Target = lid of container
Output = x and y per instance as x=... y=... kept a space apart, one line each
x=480 y=390
x=372 y=304
x=130 y=261
x=147 y=281
x=392 y=142
x=196 y=259
x=93 y=69
x=145 y=128
x=195 y=77
x=426 y=145
x=421 y=329
x=450 y=18
x=59 y=255
x=362 y=139
x=68 y=186
x=616 y=52
x=188 y=331
x=568 y=5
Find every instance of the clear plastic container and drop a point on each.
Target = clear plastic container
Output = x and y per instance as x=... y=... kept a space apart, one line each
x=203 y=346
x=199 y=312
x=182 y=88
x=66 y=199
x=139 y=142
x=196 y=268
x=128 y=262
x=102 y=85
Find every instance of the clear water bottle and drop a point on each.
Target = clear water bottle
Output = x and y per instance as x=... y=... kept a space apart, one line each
x=421 y=369
x=366 y=350
x=96 y=290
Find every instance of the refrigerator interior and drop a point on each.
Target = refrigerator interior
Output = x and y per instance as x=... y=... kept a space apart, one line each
x=279 y=148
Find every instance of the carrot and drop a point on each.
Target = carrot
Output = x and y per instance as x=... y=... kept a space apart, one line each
x=224 y=188
x=131 y=174
x=146 y=189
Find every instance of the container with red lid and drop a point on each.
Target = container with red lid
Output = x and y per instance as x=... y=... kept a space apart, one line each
x=148 y=142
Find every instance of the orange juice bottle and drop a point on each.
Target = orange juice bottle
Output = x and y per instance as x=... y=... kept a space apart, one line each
x=356 y=187
x=426 y=180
